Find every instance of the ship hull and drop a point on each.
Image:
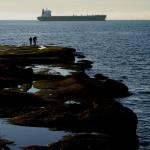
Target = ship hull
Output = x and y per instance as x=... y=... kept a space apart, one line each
x=73 y=18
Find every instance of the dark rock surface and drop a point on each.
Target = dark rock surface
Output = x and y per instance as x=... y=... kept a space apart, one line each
x=100 y=77
x=85 y=64
x=4 y=143
x=75 y=102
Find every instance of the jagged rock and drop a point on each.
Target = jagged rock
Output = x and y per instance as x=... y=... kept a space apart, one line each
x=84 y=64
x=4 y=143
x=16 y=103
x=79 y=55
x=100 y=77
x=107 y=88
x=84 y=142
x=76 y=102
x=29 y=55
x=115 y=88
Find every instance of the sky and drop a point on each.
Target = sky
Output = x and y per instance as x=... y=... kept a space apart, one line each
x=114 y=9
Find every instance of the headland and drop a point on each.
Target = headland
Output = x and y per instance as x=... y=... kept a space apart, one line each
x=35 y=91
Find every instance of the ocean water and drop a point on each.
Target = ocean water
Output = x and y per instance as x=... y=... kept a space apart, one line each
x=119 y=49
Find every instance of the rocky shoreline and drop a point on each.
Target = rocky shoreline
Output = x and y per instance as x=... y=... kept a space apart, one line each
x=75 y=102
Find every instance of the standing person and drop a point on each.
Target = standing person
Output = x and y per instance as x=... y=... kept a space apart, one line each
x=34 y=40
x=30 y=40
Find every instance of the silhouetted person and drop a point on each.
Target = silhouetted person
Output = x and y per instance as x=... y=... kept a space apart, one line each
x=30 y=40
x=34 y=40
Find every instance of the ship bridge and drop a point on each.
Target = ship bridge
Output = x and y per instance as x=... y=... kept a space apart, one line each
x=46 y=13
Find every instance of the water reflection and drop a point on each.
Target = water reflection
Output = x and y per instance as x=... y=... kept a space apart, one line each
x=25 y=136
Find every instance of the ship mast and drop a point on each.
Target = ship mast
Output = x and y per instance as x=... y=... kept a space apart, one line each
x=42 y=12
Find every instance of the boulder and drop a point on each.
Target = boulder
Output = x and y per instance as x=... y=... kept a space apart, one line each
x=100 y=77
x=106 y=88
x=84 y=64
x=84 y=142
x=15 y=103
x=79 y=55
x=115 y=88
x=4 y=143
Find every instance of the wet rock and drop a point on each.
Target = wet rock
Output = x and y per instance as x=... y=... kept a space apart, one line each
x=43 y=117
x=83 y=141
x=4 y=143
x=107 y=88
x=13 y=75
x=29 y=55
x=84 y=64
x=7 y=82
x=107 y=116
x=115 y=88
x=37 y=77
x=15 y=71
x=36 y=148
x=73 y=102
x=100 y=77
x=67 y=88
x=15 y=103
x=71 y=90
x=20 y=99
x=54 y=84
x=46 y=94
x=79 y=55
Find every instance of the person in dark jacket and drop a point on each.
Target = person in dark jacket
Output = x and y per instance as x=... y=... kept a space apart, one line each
x=30 y=40
x=35 y=40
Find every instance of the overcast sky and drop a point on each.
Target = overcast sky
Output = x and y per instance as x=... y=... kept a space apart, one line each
x=114 y=9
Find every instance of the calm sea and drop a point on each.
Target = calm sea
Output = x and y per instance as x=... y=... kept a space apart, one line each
x=119 y=49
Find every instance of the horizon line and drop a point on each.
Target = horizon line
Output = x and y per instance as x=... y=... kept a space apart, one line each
x=74 y=21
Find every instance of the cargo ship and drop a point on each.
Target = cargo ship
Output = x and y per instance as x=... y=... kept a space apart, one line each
x=47 y=16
